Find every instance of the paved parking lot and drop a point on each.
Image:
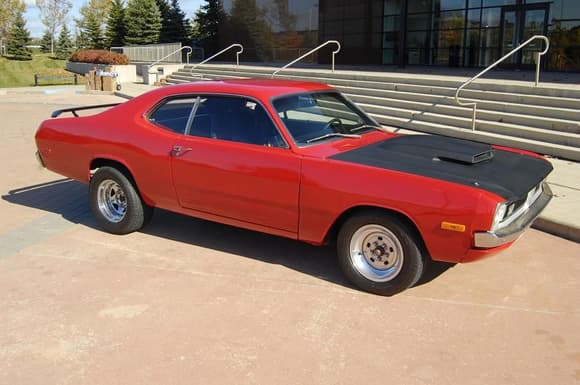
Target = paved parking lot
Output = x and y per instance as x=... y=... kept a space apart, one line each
x=192 y=302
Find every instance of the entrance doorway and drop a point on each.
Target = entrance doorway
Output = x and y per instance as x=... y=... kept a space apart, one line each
x=519 y=23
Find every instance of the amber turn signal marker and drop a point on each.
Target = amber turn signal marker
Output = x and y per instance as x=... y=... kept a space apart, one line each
x=453 y=226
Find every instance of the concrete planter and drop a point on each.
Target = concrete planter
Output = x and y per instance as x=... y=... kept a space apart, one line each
x=127 y=73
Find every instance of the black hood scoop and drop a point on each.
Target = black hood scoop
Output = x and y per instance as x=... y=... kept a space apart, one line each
x=505 y=173
x=464 y=156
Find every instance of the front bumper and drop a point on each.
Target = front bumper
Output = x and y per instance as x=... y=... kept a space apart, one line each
x=490 y=239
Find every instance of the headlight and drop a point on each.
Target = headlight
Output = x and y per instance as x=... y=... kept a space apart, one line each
x=500 y=213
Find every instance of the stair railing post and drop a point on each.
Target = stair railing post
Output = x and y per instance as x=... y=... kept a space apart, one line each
x=494 y=64
x=538 y=58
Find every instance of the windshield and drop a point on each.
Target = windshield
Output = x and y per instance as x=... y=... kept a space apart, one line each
x=321 y=116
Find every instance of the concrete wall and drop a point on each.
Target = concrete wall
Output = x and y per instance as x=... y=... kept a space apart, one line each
x=127 y=73
x=158 y=72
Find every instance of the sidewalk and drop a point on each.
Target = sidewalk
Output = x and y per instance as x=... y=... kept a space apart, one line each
x=561 y=217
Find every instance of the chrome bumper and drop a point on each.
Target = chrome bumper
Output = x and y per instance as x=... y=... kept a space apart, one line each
x=489 y=239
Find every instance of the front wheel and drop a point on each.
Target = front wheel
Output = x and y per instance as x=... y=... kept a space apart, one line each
x=379 y=253
x=115 y=202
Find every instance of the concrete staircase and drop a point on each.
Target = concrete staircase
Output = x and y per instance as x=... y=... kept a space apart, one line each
x=545 y=119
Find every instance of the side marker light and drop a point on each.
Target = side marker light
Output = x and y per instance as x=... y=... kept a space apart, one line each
x=453 y=227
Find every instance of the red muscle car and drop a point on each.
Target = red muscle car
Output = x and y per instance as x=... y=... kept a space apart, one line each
x=299 y=160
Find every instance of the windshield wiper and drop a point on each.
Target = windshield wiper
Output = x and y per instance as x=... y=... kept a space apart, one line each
x=363 y=126
x=333 y=134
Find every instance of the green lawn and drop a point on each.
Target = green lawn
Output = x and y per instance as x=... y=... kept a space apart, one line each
x=16 y=73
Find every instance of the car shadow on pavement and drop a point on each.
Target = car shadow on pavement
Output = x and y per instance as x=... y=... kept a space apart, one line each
x=65 y=197
x=69 y=199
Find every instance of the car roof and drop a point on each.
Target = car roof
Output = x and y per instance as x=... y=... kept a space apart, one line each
x=264 y=89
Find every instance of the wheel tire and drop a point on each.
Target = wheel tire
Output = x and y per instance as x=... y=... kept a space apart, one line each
x=115 y=202
x=379 y=253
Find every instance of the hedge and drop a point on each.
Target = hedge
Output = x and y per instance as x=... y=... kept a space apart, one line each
x=98 y=56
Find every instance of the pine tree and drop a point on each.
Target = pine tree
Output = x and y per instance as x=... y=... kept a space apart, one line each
x=179 y=24
x=165 y=33
x=116 y=31
x=251 y=29
x=174 y=26
x=46 y=42
x=93 y=32
x=64 y=45
x=143 y=21
x=18 y=39
x=208 y=19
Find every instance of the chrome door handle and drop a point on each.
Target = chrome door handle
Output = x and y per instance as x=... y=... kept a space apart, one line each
x=179 y=150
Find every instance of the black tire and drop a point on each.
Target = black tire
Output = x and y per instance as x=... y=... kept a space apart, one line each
x=115 y=202
x=379 y=253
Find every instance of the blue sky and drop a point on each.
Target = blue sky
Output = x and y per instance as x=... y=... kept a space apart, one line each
x=36 y=28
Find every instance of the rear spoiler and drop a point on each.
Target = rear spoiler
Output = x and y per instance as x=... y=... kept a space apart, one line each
x=74 y=110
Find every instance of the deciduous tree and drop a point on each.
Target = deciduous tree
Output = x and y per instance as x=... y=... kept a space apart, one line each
x=53 y=14
x=9 y=9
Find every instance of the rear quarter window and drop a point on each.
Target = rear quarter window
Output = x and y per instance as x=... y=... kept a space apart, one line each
x=173 y=115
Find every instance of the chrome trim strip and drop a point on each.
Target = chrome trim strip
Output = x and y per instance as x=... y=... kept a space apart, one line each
x=489 y=239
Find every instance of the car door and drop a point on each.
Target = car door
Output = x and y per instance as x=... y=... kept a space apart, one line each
x=232 y=162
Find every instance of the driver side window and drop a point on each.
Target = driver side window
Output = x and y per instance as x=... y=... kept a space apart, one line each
x=235 y=119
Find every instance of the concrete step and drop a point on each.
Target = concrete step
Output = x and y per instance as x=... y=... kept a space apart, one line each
x=374 y=88
x=558 y=111
x=526 y=132
x=445 y=105
x=511 y=86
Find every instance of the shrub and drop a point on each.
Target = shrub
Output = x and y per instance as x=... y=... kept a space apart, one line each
x=98 y=56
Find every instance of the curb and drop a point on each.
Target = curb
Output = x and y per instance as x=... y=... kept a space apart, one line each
x=562 y=230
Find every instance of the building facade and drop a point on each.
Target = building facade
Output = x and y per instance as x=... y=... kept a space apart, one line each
x=448 y=33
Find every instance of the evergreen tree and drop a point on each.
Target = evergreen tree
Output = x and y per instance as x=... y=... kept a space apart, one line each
x=251 y=29
x=81 y=40
x=46 y=42
x=165 y=33
x=93 y=32
x=143 y=21
x=207 y=20
x=18 y=39
x=64 y=45
x=179 y=24
x=116 y=31
x=174 y=26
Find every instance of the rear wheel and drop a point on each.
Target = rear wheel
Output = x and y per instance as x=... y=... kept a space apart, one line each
x=379 y=253
x=115 y=202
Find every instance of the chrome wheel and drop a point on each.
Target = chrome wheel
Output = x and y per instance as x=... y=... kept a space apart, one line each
x=376 y=253
x=112 y=201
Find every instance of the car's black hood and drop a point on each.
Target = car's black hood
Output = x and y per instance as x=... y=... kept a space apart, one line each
x=507 y=174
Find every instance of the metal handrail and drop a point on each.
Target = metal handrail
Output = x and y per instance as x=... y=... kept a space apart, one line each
x=190 y=50
x=468 y=82
x=241 y=47
x=311 y=52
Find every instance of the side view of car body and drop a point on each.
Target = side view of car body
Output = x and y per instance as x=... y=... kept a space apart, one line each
x=299 y=160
